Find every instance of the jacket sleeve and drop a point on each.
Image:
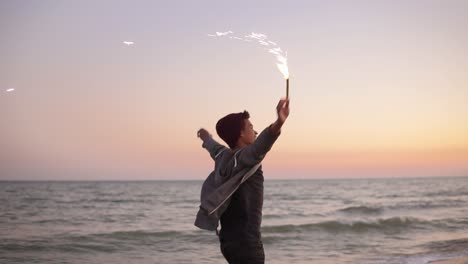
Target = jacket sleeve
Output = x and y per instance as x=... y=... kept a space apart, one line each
x=213 y=147
x=255 y=152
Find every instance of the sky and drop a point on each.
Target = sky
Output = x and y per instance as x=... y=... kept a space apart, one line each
x=377 y=88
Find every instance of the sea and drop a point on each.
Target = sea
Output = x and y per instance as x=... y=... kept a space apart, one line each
x=394 y=220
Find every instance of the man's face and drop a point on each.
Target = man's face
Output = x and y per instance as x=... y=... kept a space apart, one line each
x=248 y=134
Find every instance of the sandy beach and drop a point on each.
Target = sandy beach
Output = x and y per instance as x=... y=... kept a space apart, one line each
x=452 y=261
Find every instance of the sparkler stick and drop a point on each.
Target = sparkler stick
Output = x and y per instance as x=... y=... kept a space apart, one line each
x=287 y=88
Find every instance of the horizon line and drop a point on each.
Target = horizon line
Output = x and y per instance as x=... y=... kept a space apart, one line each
x=271 y=179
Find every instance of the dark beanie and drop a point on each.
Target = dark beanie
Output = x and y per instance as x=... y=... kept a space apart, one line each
x=230 y=126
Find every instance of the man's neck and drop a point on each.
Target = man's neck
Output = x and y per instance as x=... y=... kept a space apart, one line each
x=240 y=144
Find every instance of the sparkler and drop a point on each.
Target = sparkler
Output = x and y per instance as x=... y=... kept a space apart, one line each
x=283 y=68
x=272 y=47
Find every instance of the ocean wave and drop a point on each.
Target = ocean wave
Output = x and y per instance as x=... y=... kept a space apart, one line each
x=448 y=245
x=461 y=191
x=136 y=235
x=362 y=210
x=393 y=224
x=140 y=236
x=288 y=215
x=51 y=221
x=110 y=200
x=52 y=246
x=117 y=241
x=428 y=204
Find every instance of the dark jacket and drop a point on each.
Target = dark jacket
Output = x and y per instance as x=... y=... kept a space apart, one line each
x=231 y=170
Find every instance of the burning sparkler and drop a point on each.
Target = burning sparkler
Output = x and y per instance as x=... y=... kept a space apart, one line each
x=272 y=47
x=282 y=65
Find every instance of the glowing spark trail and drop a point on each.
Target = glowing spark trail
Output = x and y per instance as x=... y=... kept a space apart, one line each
x=128 y=43
x=10 y=90
x=219 y=34
x=262 y=39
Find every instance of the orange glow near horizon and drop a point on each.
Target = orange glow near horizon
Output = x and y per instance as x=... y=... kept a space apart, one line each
x=372 y=163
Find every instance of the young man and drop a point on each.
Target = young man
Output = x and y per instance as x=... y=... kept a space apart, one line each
x=233 y=192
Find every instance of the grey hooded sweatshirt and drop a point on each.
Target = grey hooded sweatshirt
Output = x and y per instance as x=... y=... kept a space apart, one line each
x=231 y=170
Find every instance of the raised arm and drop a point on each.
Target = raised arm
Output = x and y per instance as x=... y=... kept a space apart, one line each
x=213 y=147
x=255 y=152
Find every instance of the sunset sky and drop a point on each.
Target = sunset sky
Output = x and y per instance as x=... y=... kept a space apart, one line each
x=378 y=88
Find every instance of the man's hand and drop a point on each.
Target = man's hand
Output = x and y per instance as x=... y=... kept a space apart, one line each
x=203 y=134
x=282 y=109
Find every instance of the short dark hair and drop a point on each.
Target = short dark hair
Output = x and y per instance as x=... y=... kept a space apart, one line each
x=229 y=127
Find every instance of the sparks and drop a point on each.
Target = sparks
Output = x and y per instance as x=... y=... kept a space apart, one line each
x=270 y=46
x=219 y=34
x=128 y=43
x=10 y=90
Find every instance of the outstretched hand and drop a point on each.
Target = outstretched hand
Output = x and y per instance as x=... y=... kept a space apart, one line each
x=203 y=134
x=283 y=110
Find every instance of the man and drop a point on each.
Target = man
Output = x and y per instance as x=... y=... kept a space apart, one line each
x=233 y=192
